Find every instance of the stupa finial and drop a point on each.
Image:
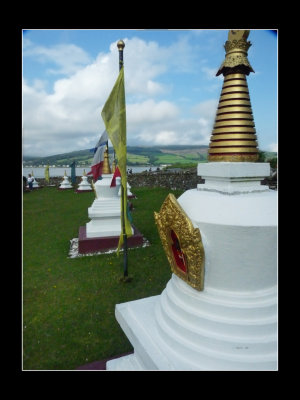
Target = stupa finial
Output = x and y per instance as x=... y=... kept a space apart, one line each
x=233 y=137
x=236 y=48
x=106 y=167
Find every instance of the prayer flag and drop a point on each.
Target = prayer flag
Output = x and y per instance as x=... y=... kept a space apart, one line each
x=116 y=174
x=73 y=172
x=47 y=174
x=97 y=164
x=114 y=117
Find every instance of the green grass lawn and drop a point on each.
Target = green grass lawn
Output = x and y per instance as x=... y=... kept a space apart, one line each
x=69 y=304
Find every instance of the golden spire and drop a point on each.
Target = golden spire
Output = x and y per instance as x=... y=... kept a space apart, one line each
x=233 y=137
x=113 y=167
x=106 y=167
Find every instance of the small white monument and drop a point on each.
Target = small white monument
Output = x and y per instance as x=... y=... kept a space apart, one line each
x=105 y=212
x=84 y=185
x=102 y=233
x=65 y=184
x=35 y=184
x=129 y=194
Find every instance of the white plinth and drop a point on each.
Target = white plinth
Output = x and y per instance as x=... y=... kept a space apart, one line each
x=65 y=183
x=232 y=323
x=183 y=329
x=231 y=178
x=129 y=194
x=84 y=184
x=35 y=184
x=105 y=212
x=137 y=319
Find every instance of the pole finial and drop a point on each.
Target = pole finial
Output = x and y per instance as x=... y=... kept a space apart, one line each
x=120 y=45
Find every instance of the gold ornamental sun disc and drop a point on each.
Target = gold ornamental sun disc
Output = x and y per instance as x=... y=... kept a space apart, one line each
x=182 y=242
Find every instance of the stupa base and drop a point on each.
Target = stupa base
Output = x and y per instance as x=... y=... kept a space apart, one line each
x=83 y=191
x=137 y=320
x=186 y=330
x=96 y=244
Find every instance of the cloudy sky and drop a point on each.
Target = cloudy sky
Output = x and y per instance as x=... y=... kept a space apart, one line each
x=171 y=88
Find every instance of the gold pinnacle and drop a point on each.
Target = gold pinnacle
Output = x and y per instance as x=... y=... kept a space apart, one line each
x=233 y=136
x=236 y=48
x=106 y=167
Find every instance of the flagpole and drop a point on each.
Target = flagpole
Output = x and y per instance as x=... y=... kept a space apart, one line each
x=121 y=46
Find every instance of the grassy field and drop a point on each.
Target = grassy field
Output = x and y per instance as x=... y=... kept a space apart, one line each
x=137 y=159
x=68 y=304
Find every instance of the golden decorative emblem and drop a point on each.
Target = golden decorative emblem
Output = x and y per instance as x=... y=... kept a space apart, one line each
x=182 y=242
x=236 y=48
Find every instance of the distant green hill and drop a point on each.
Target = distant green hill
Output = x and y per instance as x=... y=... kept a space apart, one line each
x=135 y=156
x=155 y=155
x=81 y=156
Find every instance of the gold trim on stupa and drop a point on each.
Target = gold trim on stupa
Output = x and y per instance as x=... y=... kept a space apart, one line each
x=234 y=136
x=106 y=167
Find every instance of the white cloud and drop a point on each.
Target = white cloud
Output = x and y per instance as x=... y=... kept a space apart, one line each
x=68 y=58
x=165 y=137
x=160 y=123
x=69 y=117
x=175 y=132
x=273 y=147
x=149 y=111
x=206 y=109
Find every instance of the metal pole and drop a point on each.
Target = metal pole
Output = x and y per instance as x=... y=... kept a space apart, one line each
x=121 y=46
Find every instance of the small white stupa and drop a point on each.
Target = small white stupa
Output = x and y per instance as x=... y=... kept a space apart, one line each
x=65 y=184
x=129 y=194
x=35 y=184
x=104 y=229
x=105 y=212
x=84 y=185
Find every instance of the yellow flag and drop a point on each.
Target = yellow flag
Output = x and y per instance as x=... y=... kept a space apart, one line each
x=114 y=117
x=47 y=173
